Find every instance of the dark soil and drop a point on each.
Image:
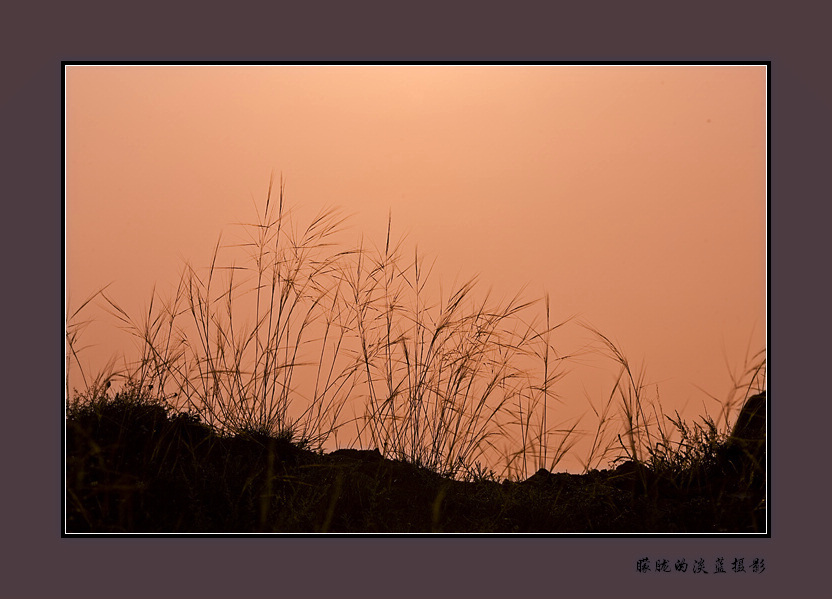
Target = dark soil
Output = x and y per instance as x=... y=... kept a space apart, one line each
x=134 y=468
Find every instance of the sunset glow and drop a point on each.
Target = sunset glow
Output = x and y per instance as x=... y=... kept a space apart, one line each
x=634 y=196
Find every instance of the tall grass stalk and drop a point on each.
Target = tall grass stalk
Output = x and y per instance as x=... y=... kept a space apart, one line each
x=642 y=430
x=751 y=380
x=535 y=400
x=94 y=386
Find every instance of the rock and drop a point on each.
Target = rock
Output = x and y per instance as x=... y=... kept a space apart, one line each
x=751 y=423
x=364 y=455
x=747 y=443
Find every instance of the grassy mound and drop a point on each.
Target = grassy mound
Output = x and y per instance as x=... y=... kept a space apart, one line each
x=135 y=466
x=246 y=372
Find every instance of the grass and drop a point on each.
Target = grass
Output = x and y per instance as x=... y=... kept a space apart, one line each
x=203 y=354
x=247 y=373
x=438 y=377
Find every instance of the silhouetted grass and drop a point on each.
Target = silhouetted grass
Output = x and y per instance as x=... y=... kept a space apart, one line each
x=441 y=377
x=282 y=342
x=245 y=374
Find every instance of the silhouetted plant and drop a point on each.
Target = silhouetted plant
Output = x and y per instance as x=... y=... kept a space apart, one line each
x=441 y=377
x=277 y=346
x=203 y=353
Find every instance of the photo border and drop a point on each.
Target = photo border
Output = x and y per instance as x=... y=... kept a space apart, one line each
x=44 y=564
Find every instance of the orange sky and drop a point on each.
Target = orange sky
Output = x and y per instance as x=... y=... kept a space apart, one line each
x=634 y=195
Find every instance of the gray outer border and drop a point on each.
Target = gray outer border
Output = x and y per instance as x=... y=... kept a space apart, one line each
x=39 y=563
